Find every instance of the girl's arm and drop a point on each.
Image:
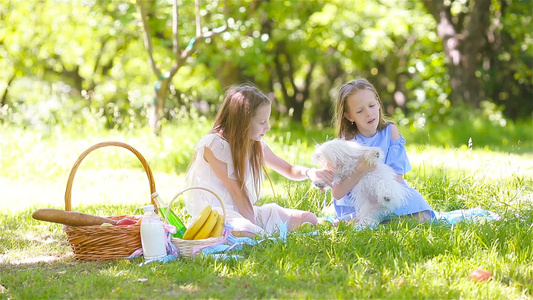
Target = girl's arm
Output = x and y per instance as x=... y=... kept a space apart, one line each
x=295 y=172
x=221 y=170
x=346 y=185
x=399 y=178
x=395 y=135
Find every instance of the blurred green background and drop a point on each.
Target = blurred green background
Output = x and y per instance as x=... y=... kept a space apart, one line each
x=126 y=65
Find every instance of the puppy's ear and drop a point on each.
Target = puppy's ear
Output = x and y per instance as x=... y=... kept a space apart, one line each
x=335 y=157
x=316 y=157
x=325 y=158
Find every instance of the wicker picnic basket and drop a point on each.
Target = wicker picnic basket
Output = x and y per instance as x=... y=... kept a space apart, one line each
x=98 y=243
x=189 y=248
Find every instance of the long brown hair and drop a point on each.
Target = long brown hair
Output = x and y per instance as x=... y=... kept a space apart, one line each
x=233 y=123
x=346 y=129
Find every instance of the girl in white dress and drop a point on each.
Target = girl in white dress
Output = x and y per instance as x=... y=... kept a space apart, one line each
x=230 y=160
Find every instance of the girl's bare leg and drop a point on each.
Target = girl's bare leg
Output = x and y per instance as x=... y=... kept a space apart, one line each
x=421 y=217
x=243 y=234
x=299 y=217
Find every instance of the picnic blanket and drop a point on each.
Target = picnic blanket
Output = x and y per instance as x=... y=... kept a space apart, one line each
x=466 y=215
x=451 y=217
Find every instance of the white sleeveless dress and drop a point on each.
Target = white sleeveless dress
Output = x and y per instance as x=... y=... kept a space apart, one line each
x=267 y=217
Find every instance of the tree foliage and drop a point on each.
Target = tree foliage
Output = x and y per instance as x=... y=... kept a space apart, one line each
x=86 y=60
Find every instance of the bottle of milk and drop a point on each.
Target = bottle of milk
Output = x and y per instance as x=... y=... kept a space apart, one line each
x=172 y=218
x=153 y=237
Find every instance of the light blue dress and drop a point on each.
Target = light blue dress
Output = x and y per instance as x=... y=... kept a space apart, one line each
x=396 y=158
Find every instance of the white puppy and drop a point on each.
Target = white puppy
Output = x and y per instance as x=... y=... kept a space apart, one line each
x=377 y=194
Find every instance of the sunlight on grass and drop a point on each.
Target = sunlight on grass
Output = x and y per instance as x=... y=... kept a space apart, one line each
x=479 y=162
x=399 y=260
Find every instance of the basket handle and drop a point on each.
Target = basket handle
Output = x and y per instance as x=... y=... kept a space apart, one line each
x=195 y=188
x=70 y=181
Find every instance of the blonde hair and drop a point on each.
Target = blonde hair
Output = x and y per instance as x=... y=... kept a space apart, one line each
x=233 y=123
x=346 y=129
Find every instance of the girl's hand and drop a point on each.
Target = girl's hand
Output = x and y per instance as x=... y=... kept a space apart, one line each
x=347 y=184
x=363 y=167
x=323 y=174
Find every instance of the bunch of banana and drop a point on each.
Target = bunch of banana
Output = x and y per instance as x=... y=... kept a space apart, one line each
x=208 y=224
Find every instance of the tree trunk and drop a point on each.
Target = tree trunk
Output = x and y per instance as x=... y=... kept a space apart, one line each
x=3 y=98
x=179 y=55
x=296 y=101
x=463 y=39
x=156 y=109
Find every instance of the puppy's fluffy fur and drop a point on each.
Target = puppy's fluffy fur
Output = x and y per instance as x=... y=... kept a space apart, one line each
x=377 y=194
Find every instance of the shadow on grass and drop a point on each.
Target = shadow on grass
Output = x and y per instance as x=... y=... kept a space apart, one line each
x=401 y=259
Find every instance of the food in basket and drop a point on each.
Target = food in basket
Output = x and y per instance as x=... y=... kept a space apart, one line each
x=202 y=227
x=209 y=224
x=217 y=230
x=195 y=237
x=108 y=242
x=125 y=221
x=70 y=218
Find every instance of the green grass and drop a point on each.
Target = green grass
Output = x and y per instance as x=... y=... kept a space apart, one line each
x=399 y=260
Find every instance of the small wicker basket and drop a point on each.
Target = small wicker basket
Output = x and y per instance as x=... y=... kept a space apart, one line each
x=99 y=243
x=189 y=248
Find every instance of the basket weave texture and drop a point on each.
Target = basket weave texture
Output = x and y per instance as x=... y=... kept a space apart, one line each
x=100 y=243
x=189 y=248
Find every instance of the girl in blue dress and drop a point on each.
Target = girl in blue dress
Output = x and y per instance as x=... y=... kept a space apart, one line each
x=360 y=118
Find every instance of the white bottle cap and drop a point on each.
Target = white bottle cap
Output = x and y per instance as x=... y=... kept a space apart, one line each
x=149 y=207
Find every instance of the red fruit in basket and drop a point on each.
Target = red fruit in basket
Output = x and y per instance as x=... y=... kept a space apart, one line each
x=125 y=221
x=480 y=275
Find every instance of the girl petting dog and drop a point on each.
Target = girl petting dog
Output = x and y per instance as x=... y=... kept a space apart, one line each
x=359 y=117
x=230 y=161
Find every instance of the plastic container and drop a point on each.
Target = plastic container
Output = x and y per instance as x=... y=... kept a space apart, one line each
x=172 y=218
x=152 y=234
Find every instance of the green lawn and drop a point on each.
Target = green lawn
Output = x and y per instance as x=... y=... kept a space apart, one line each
x=400 y=260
